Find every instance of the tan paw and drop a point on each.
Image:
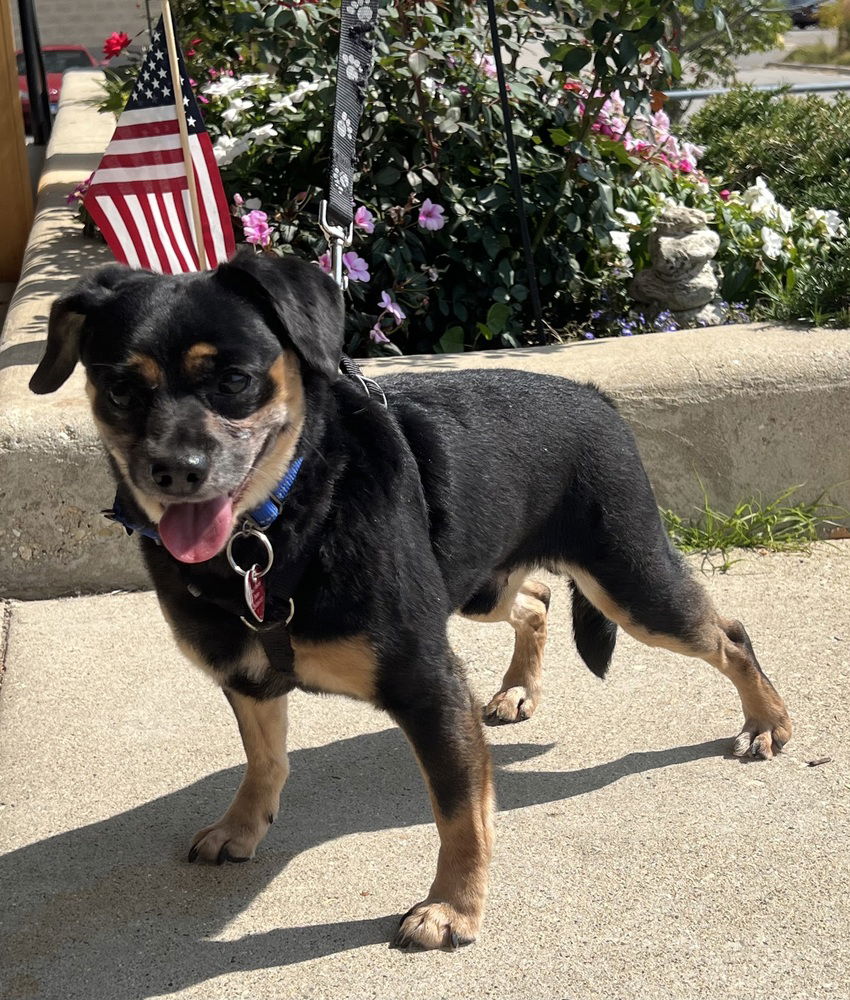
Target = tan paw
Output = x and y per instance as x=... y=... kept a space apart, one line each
x=762 y=738
x=234 y=837
x=516 y=704
x=432 y=924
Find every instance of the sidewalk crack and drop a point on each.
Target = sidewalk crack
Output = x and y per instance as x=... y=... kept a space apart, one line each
x=5 y=627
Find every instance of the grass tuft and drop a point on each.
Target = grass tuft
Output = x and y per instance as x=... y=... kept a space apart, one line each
x=776 y=526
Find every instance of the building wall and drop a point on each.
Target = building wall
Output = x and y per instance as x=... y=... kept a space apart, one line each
x=88 y=22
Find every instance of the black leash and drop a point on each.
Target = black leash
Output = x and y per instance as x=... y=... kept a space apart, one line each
x=359 y=20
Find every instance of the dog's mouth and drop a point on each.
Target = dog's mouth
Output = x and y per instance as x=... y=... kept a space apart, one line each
x=195 y=532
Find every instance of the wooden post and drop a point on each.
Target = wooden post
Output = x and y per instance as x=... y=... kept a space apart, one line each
x=176 y=86
x=15 y=182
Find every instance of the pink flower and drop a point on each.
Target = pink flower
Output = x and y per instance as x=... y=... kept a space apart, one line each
x=256 y=227
x=726 y=194
x=115 y=44
x=364 y=219
x=237 y=199
x=377 y=335
x=686 y=166
x=358 y=269
x=431 y=216
x=324 y=262
x=393 y=308
x=487 y=65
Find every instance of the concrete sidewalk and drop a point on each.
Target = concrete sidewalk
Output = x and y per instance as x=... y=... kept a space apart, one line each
x=633 y=859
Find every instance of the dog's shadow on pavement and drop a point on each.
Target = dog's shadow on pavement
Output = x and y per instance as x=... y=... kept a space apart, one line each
x=113 y=910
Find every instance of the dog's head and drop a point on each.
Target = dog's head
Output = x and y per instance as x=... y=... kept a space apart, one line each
x=197 y=382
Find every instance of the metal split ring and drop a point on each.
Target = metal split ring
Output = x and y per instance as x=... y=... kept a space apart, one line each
x=248 y=532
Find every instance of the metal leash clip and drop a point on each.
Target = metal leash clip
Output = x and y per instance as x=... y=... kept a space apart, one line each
x=338 y=239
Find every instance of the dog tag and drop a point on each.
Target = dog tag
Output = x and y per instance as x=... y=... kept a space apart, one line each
x=255 y=592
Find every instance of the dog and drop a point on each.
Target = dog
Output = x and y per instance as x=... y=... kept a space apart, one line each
x=300 y=533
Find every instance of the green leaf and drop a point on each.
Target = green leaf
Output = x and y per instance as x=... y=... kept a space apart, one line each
x=559 y=137
x=452 y=341
x=575 y=59
x=497 y=317
x=485 y=331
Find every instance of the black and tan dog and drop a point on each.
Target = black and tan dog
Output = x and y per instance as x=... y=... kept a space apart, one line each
x=214 y=391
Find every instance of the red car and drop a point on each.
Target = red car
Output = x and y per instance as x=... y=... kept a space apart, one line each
x=57 y=59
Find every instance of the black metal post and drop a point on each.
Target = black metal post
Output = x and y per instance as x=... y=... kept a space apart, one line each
x=516 y=181
x=40 y=122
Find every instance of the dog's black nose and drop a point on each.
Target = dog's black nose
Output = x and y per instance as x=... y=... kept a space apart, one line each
x=181 y=475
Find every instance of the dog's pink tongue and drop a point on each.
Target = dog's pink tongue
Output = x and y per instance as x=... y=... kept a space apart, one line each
x=195 y=532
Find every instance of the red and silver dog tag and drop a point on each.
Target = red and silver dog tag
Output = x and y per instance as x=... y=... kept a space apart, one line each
x=255 y=592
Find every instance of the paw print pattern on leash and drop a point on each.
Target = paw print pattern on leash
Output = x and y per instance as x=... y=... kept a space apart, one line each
x=353 y=67
x=344 y=127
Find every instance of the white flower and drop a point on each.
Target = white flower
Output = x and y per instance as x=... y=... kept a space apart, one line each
x=257 y=80
x=759 y=198
x=262 y=133
x=620 y=240
x=237 y=106
x=783 y=217
x=703 y=187
x=828 y=220
x=223 y=87
x=228 y=147
x=771 y=242
x=629 y=218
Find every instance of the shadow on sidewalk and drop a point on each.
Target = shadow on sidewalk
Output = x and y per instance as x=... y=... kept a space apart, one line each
x=112 y=910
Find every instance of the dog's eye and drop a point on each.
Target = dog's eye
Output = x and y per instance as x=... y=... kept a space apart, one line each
x=120 y=395
x=233 y=381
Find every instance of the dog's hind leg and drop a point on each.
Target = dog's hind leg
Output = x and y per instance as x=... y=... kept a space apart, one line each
x=262 y=726
x=525 y=604
x=670 y=609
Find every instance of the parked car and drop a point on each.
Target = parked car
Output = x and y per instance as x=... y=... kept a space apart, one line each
x=804 y=12
x=57 y=59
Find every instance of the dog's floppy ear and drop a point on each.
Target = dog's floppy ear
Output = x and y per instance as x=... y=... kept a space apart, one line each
x=67 y=316
x=305 y=301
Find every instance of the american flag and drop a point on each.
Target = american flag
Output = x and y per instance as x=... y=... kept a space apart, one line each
x=139 y=195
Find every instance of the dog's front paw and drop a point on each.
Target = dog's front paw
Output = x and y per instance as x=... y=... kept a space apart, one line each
x=234 y=837
x=515 y=704
x=434 y=924
x=763 y=737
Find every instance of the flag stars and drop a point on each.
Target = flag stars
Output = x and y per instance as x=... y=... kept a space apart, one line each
x=161 y=72
x=190 y=121
x=148 y=92
x=185 y=101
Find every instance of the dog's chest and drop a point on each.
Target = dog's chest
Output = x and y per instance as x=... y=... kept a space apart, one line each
x=338 y=666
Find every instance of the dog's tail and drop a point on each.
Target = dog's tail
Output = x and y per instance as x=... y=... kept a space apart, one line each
x=595 y=636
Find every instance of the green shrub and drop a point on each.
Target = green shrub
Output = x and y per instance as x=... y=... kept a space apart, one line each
x=801 y=146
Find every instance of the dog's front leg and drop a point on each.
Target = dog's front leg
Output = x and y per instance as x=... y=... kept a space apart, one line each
x=262 y=726
x=444 y=728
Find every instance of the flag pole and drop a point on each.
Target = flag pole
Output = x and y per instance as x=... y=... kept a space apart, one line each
x=174 y=64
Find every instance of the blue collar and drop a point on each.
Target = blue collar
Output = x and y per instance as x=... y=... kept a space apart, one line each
x=262 y=517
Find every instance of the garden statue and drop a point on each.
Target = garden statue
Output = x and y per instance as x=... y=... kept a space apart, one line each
x=682 y=277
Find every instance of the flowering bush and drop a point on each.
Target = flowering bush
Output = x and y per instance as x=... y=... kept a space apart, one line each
x=437 y=263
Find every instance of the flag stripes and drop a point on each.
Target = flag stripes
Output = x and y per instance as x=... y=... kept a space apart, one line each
x=139 y=194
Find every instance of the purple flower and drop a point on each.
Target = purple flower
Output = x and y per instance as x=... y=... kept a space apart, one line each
x=358 y=269
x=463 y=90
x=393 y=308
x=256 y=227
x=431 y=216
x=364 y=220
x=487 y=65
x=588 y=335
x=377 y=335
x=324 y=262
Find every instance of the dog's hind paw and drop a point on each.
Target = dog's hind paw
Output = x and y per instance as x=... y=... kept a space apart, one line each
x=515 y=704
x=432 y=924
x=762 y=739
